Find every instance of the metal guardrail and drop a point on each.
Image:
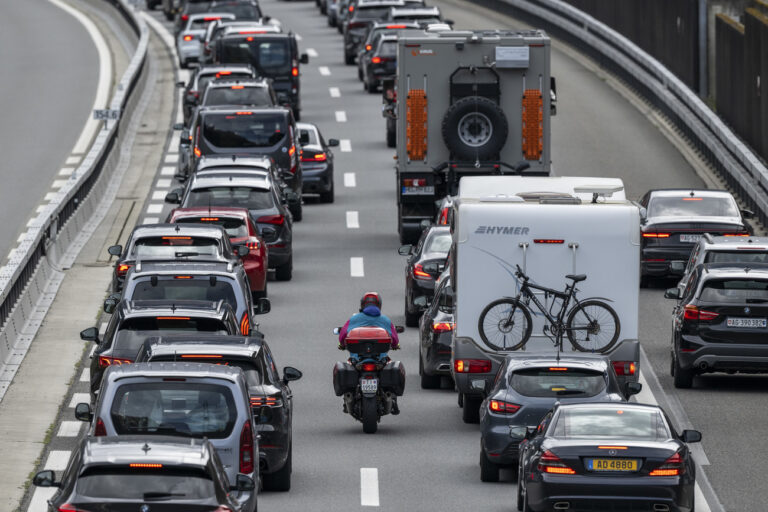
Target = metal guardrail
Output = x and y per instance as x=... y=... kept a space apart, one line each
x=51 y=232
x=736 y=163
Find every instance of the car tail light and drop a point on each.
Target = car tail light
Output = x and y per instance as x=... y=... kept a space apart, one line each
x=252 y=244
x=415 y=182
x=418 y=273
x=184 y=17
x=551 y=463
x=694 y=313
x=376 y=60
x=503 y=407
x=188 y=38
x=100 y=430
x=472 y=366
x=656 y=235
x=735 y=234
x=368 y=47
x=106 y=361
x=356 y=24
x=442 y=326
x=211 y=18
x=245 y=325
x=443 y=220
x=319 y=157
x=269 y=401
x=272 y=219
x=294 y=71
x=246 y=449
x=223 y=73
x=395 y=26
x=351 y=9
x=70 y=508
x=123 y=268
x=144 y=465
x=673 y=466
x=623 y=368
x=369 y=367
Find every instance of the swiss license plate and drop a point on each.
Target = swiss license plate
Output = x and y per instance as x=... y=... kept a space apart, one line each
x=612 y=464
x=690 y=238
x=369 y=385
x=419 y=191
x=756 y=323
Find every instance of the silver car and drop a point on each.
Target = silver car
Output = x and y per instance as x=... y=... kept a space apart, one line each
x=189 y=42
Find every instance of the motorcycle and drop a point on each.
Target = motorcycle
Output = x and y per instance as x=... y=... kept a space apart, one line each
x=369 y=381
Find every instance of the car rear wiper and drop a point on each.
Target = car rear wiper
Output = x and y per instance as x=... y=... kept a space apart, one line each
x=182 y=254
x=162 y=495
x=570 y=392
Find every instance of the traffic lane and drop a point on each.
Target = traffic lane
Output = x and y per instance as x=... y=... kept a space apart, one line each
x=47 y=89
x=729 y=410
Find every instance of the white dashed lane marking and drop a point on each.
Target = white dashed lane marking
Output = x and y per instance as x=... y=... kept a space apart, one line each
x=72 y=160
x=70 y=428
x=151 y=220
x=324 y=70
x=86 y=375
x=335 y=92
x=168 y=171
x=159 y=195
x=163 y=183
x=353 y=221
x=311 y=52
x=171 y=158
x=349 y=179
x=341 y=116
x=39 y=501
x=66 y=171
x=155 y=208
x=50 y=195
x=356 y=267
x=369 y=487
x=59 y=183
x=79 y=398
x=57 y=460
x=345 y=145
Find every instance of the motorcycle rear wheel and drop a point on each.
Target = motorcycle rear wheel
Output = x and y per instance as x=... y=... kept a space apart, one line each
x=370 y=415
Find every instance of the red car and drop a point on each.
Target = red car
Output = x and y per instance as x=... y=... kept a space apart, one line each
x=241 y=230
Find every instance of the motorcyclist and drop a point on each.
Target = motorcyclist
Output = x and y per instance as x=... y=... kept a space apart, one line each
x=370 y=315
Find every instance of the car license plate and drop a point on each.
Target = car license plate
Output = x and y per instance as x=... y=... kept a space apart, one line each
x=419 y=191
x=612 y=464
x=756 y=323
x=369 y=385
x=690 y=238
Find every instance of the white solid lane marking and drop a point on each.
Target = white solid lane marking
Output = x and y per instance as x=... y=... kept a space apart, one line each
x=335 y=92
x=66 y=171
x=105 y=74
x=324 y=70
x=151 y=220
x=356 y=267
x=155 y=208
x=70 y=428
x=78 y=398
x=59 y=183
x=163 y=183
x=168 y=171
x=72 y=160
x=341 y=116
x=39 y=501
x=159 y=195
x=345 y=145
x=369 y=487
x=57 y=460
x=349 y=179
x=171 y=158
x=86 y=375
x=311 y=52
x=353 y=220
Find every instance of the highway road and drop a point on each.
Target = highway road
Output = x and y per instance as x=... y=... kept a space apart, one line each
x=426 y=458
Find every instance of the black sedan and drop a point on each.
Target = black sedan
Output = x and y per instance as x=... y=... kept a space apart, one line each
x=425 y=263
x=380 y=62
x=674 y=220
x=316 y=162
x=435 y=332
x=528 y=388
x=608 y=456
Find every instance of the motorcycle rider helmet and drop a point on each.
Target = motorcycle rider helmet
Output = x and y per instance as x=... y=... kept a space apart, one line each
x=370 y=299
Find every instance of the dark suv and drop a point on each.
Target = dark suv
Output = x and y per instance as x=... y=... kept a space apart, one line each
x=361 y=14
x=381 y=62
x=239 y=92
x=270 y=397
x=202 y=76
x=425 y=263
x=720 y=322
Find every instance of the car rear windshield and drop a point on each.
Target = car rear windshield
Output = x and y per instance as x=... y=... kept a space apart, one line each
x=174 y=323
x=736 y=257
x=203 y=81
x=244 y=130
x=309 y=138
x=196 y=288
x=270 y=56
x=692 y=207
x=388 y=49
x=186 y=408
x=735 y=290
x=371 y=13
x=611 y=423
x=145 y=484
x=251 y=372
x=558 y=382
x=240 y=10
x=171 y=247
x=236 y=197
x=439 y=243
x=238 y=95
x=235 y=227
x=201 y=23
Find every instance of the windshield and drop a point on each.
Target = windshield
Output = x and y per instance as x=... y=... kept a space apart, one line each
x=237 y=197
x=735 y=291
x=144 y=484
x=241 y=11
x=203 y=81
x=439 y=243
x=172 y=247
x=174 y=323
x=238 y=95
x=235 y=228
x=271 y=56
x=736 y=257
x=174 y=408
x=244 y=130
x=196 y=288
x=557 y=382
x=611 y=423
x=692 y=207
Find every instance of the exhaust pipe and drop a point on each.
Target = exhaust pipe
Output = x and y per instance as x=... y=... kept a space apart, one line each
x=562 y=505
x=702 y=366
x=661 y=507
x=444 y=367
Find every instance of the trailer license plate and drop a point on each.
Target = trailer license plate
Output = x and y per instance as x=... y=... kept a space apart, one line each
x=419 y=191
x=369 y=385
x=690 y=238
x=747 y=322
x=612 y=464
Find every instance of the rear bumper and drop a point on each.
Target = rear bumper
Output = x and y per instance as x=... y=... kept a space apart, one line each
x=257 y=273
x=662 y=262
x=278 y=256
x=499 y=446
x=317 y=180
x=437 y=357
x=724 y=357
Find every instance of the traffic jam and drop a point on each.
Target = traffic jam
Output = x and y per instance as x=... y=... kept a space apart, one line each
x=508 y=285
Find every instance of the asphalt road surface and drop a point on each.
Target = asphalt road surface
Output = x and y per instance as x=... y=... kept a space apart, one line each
x=427 y=458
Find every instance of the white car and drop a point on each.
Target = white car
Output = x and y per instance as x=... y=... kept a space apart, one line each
x=189 y=41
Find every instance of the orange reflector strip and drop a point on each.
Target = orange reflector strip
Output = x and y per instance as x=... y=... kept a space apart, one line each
x=144 y=465
x=533 y=124
x=244 y=113
x=197 y=152
x=201 y=356
x=173 y=318
x=559 y=471
x=612 y=447
x=416 y=124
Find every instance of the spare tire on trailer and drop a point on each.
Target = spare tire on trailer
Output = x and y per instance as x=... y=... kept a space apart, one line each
x=475 y=128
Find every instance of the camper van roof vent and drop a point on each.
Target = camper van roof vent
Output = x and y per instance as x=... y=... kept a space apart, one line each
x=538 y=196
x=598 y=190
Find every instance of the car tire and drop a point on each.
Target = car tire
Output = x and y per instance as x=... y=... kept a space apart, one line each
x=259 y=294
x=328 y=197
x=280 y=480
x=489 y=472
x=360 y=75
x=411 y=319
x=391 y=134
x=371 y=86
x=285 y=272
x=427 y=381
x=470 y=413
x=349 y=59
x=472 y=113
x=297 y=115
x=644 y=281
x=331 y=22
x=297 y=212
x=682 y=378
x=526 y=507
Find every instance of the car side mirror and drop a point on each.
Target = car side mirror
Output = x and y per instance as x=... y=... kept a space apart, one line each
x=90 y=334
x=399 y=328
x=83 y=412
x=672 y=293
x=425 y=224
x=268 y=234
x=45 y=478
x=115 y=250
x=632 y=388
x=111 y=303
x=405 y=250
x=174 y=196
x=336 y=330
x=184 y=138
x=290 y=374
x=449 y=22
x=432 y=269
x=242 y=250
x=421 y=301
x=180 y=84
x=267 y=18
x=691 y=436
x=747 y=214
x=262 y=306
x=178 y=126
x=332 y=143
x=530 y=431
x=244 y=483
x=291 y=196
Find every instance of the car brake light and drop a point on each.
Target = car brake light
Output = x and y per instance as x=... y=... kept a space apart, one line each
x=735 y=234
x=70 y=508
x=415 y=182
x=246 y=449
x=369 y=367
x=269 y=401
x=100 y=430
x=238 y=87
x=201 y=356
x=184 y=17
x=548 y=241
x=144 y=465
x=245 y=324
x=173 y=318
x=223 y=73
x=319 y=157
x=656 y=235
x=624 y=368
x=472 y=366
x=443 y=216
x=694 y=313
x=693 y=199
x=294 y=71
x=211 y=18
x=106 y=361
x=551 y=463
x=442 y=326
x=244 y=113
x=122 y=269
x=244 y=32
x=188 y=38
x=503 y=407
x=376 y=60
x=252 y=244
x=368 y=47
x=271 y=219
x=418 y=272
x=673 y=466
x=351 y=9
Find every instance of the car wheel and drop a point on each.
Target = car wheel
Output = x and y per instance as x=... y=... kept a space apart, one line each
x=391 y=134
x=371 y=86
x=427 y=381
x=643 y=281
x=297 y=212
x=349 y=59
x=331 y=21
x=526 y=506
x=280 y=480
x=471 y=411
x=259 y=294
x=489 y=472
x=360 y=74
x=285 y=272
x=683 y=378
x=297 y=115
x=411 y=319
x=475 y=128
x=327 y=197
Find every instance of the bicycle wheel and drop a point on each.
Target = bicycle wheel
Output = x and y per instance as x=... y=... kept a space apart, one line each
x=505 y=324
x=593 y=326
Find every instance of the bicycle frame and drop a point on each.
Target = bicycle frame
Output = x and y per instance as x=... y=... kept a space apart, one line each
x=566 y=296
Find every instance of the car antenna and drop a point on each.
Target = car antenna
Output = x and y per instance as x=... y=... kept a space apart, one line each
x=692 y=194
x=177 y=228
x=173 y=307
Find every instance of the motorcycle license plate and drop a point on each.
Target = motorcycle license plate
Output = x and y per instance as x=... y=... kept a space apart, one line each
x=747 y=322
x=369 y=385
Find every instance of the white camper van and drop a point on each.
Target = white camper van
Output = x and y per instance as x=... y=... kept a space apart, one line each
x=550 y=228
